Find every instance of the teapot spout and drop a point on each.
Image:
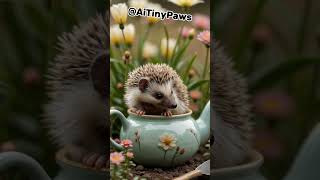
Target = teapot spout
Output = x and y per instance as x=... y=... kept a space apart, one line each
x=204 y=124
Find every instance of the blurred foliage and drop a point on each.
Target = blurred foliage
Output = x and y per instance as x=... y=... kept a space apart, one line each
x=28 y=33
x=275 y=44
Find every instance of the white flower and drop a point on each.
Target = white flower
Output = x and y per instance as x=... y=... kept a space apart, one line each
x=129 y=34
x=119 y=12
x=186 y=3
x=116 y=37
x=167 y=141
x=138 y=3
x=149 y=50
x=155 y=7
x=167 y=47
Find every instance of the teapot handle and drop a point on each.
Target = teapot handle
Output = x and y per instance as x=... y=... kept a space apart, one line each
x=125 y=125
x=27 y=165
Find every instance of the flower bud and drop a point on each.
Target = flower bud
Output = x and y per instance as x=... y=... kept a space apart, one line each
x=127 y=57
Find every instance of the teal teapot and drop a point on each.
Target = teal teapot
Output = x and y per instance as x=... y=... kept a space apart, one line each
x=160 y=141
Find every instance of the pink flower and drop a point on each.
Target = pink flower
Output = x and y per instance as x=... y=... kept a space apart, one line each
x=194 y=107
x=201 y=21
x=261 y=34
x=116 y=158
x=126 y=143
x=274 y=104
x=129 y=155
x=204 y=37
x=7 y=146
x=31 y=75
x=195 y=94
x=187 y=32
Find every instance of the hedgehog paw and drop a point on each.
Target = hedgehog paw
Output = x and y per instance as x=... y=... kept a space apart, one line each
x=139 y=112
x=167 y=113
x=95 y=160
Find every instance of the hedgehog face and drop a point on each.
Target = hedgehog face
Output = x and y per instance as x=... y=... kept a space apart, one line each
x=160 y=95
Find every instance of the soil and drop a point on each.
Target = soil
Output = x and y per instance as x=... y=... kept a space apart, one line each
x=170 y=173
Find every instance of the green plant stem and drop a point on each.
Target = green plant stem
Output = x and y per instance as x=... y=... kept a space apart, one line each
x=315 y=81
x=167 y=48
x=252 y=62
x=177 y=43
x=303 y=25
x=124 y=37
x=174 y=156
x=301 y=35
x=249 y=25
x=125 y=73
x=121 y=51
x=142 y=41
x=115 y=168
x=186 y=44
x=184 y=10
x=206 y=64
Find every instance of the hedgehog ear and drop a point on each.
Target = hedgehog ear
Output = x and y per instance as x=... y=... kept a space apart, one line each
x=99 y=74
x=143 y=84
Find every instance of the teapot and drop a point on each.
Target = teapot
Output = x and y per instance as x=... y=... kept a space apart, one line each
x=160 y=141
x=304 y=167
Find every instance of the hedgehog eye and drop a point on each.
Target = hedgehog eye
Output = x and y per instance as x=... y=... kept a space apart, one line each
x=158 y=95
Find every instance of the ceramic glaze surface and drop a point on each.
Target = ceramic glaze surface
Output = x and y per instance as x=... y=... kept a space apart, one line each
x=146 y=134
x=160 y=141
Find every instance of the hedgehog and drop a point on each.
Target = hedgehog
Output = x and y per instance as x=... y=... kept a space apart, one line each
x=231 y=112
x=156 y=89
x=77 y=84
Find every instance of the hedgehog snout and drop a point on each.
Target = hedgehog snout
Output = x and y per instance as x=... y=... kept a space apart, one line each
x=169 y=103
x=173 y=106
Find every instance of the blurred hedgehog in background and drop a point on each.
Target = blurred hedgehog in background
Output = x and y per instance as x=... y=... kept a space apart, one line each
x=231 y=112
x=77 y=87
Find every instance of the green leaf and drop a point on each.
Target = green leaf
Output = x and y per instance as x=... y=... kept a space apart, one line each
x=281 y=71
x=248 y=28
x=115 y=60
x=167 y=37
x=180 y=53
x=189 y=66
x=196 y=84
x=156 y=60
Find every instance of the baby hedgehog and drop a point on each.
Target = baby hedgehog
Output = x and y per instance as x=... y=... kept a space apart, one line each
x=156 y=89
x=77 y=83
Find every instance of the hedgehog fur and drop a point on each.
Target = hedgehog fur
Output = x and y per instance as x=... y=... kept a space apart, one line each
x=231 y=112
x=75 y=113
x=159 y=75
